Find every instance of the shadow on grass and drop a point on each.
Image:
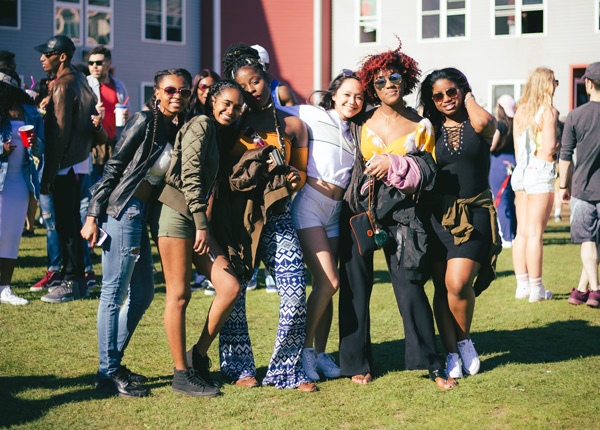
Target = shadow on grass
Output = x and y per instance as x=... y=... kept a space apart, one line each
x=558 y=228
x=555 y=342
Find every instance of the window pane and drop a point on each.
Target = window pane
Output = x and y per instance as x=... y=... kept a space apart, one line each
x=500 y=90
x=148 y=93
x=174 y=7
x=368 y=7
x=456 y=25
x=67 y=22
x=98 y=28
x=431 y=4
x=152 y=19
x=152 y=5
x=174 y=21
x=526 y=2
x=70 y=1
x=153 y=32
x=505 y=25
x=532 y=22
x=174 y=34
x=105 y=3
x=431 y=26
x=8 y=17
x=505 y=2
x=456 y=4
x=367 y=33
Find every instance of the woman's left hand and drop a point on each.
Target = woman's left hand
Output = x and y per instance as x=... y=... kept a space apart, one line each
x=8 y=147
x=201 y=242
x=293 y=178
x=378 y=166
x=32 y=140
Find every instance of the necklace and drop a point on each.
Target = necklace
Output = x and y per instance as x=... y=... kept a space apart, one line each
x=453 y=138
x=387 y=122
x=279 y=139
x=269 y=106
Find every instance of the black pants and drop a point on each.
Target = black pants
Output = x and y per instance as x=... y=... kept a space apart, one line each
x=67 y=189
x=356 y=285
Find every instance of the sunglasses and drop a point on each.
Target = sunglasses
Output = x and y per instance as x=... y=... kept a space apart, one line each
x=451 y=92
x=556 y=82
x=203 y=87
x=97 y=63
x=51 y=54
x=349 y=73
x=183 y=92
x=394 y=79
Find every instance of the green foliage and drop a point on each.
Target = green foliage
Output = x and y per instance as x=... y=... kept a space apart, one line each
x=537 y=363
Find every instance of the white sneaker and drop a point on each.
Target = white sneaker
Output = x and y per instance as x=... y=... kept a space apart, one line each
x=539 y=294
x=270 y=283
x=523 y=290
x=309 y=363
x=209 y=288
x=7 y=296
x=453 y=368
x=469 y=357
x=198 y=282
x=326 y=365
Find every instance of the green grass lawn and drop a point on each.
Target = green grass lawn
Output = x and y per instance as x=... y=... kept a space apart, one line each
x=537 y=367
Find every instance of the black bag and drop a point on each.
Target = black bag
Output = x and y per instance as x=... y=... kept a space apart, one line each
x=368 y=234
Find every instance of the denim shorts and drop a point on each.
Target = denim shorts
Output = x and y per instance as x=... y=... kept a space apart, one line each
x=536 y=177
x=173 y=224
x=585 y=221
x=310 y=208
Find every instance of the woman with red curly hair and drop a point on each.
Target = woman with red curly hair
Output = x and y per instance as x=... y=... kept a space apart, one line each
x=397 y=143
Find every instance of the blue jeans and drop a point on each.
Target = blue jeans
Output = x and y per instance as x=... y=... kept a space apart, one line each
x=507 y=214
x=126 y=273
x=52 y=239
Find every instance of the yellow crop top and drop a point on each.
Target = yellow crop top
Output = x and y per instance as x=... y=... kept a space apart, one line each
x=422 y=139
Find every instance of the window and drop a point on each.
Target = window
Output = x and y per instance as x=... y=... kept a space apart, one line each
x=97 y=16
x=146 y=91
x=499 y=88
x=163 y=20
x=443 y=19
x=10 y=16
x=597 y=23
x=369 y=21
x=519 y=17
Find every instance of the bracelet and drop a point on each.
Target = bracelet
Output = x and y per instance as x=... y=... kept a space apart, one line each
x=469 y=98
x=562 y=188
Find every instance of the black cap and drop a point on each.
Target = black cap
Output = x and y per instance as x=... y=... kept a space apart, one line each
x=592 y=71
x=6 y=56
x=57 y=43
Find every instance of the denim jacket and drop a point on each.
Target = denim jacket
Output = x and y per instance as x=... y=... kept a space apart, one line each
x=32 y=117
x=94 y=84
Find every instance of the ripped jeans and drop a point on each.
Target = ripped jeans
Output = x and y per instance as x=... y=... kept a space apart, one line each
x=126 y=274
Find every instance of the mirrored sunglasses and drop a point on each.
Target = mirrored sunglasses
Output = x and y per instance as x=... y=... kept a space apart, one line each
x=394 y=79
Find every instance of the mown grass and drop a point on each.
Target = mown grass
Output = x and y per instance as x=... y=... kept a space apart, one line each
x=538 y=363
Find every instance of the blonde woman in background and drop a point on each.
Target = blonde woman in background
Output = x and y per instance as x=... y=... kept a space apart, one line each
x=535 y=136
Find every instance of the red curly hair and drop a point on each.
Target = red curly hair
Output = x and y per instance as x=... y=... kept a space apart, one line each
x=373 y=64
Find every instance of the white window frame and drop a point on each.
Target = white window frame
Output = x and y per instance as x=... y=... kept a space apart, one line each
x=519 y=8
x=163 y=24
x=375 y=21
x=597 y=16
x=516 y=83
x=82 y=16
x=444 y=12
x=143 y=85
x=105 y=9
x=18 y=27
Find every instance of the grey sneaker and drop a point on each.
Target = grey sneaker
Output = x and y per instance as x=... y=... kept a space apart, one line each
x=188 y=382
x=65 y=292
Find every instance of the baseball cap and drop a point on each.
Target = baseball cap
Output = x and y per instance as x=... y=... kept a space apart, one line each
x=57 y=43
x=6 y=56
x=262 y=53
x=508 y=104
x=592 y=71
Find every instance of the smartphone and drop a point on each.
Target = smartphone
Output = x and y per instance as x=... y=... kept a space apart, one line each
x=211 y=256
x=102 y=237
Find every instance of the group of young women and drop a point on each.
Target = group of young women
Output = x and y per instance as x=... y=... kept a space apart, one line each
x=216 y=190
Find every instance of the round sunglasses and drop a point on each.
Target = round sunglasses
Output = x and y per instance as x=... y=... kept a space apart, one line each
x=183 y=92
x=394 y=79
x=451 y=92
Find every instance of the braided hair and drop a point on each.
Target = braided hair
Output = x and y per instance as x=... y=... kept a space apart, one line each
x=216 y=89
x=242 y=55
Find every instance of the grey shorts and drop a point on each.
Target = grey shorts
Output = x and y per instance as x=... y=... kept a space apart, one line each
x=585 y=221
x=310 y=208
x=173 y=224
x=536 y=177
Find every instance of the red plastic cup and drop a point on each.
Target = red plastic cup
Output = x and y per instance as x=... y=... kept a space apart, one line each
x=26 y=132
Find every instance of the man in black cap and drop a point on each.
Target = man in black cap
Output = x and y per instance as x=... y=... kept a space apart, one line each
x=69 y=134
x=582 y=132
x=7 y=60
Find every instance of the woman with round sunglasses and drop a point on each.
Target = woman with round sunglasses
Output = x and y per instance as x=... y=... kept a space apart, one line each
x=536 y=144
x=316 y=207
x=122 y=203
x=463 y=239
x=277 y=244
x=184 y=237
x=393 y=142
x=200 y=86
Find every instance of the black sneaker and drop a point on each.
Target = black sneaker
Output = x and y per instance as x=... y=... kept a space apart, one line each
x=134 y=377
x=202 y=366
x=120 y=384
x=188 y=382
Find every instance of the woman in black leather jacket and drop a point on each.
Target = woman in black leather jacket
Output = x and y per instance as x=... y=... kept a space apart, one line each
x=121 y=202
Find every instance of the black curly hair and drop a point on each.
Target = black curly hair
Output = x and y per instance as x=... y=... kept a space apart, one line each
x=216 y=89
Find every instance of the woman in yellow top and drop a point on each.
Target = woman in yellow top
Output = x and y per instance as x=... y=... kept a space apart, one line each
x=536 y=145
x=389 y=133
x=278 y=247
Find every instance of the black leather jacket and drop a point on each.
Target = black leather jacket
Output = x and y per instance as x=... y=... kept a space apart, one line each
x=133 y=156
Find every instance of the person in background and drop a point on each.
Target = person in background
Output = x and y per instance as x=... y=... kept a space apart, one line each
x=122 y=204
x=7 y=60
x=536 y=145
x=463 y=242
x=502 y=162
x=200 y=86
x=69 y=136
x=282 y=94
x=18 y=174
x=582 y=133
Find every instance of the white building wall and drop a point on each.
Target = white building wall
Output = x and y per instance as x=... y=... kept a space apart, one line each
x=571 y=38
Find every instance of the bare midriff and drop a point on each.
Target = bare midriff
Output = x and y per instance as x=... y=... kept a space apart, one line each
x=327 y=189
